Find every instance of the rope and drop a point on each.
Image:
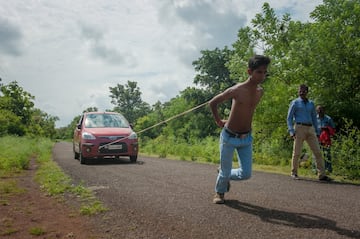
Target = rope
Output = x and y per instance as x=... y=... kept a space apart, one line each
x=155 y=125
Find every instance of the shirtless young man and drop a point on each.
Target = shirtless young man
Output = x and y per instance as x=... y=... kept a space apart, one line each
x=236 y=132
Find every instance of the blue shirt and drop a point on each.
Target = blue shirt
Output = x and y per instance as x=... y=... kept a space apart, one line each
x=301 y=111
x=325 y=121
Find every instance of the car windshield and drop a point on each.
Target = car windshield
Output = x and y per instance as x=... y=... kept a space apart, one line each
x=106 y=121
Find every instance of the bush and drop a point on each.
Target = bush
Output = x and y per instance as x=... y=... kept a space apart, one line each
x=206 y=150
x=273 y=149
x=15 y=155
x=10 y=124
x=346 y=152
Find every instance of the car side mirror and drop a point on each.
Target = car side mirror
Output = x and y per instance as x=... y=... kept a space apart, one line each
x=78 y=126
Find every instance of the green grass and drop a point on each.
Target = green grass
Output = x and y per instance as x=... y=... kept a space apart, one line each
x=93 y=208
x=16 y=157
x=37 y=231
x=9 y=229
x=9 y=187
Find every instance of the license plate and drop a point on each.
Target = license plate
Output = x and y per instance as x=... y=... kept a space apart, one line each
x=115 y=146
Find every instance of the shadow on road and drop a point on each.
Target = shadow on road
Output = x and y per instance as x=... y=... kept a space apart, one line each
x=291 y=219
x=331 y=182
x=111 y=161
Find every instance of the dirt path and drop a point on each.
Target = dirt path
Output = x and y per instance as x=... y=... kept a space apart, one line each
x=159 y=198
x=33 y=214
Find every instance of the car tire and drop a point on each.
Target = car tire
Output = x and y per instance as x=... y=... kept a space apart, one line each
x=133 y=159
x=76 y=154
x=82 y=159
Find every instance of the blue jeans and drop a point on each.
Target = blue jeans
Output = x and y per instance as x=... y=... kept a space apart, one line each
x=243 y=148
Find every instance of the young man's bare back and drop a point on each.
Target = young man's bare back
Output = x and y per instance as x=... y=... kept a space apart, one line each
x=236 y=132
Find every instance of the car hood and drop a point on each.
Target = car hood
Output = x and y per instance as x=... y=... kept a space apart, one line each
x=109 y=131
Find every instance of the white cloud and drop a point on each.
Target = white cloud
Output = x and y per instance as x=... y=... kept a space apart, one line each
x=68 y=53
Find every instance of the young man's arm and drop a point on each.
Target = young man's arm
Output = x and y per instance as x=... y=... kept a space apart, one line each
x=214 y=102
x=290 y=118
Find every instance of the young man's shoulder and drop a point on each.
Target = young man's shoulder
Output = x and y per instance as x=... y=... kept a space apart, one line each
x=237 y=87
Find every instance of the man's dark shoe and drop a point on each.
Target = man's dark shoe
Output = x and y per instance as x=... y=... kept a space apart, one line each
x=294 y=176
x=325 y=178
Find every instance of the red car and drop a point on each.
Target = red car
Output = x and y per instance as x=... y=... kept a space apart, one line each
x=104 y=134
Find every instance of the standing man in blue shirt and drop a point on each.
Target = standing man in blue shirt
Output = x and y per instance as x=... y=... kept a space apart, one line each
x=327 y=130
x=302 y=112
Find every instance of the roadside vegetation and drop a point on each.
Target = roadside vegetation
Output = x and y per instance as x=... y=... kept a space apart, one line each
x=16 y=156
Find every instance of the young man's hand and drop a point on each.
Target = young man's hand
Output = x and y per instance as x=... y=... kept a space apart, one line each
x=221 y=123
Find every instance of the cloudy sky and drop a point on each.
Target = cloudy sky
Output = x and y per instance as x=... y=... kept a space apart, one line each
x=68 y=53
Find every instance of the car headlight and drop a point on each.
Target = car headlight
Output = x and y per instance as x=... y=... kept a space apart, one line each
x=86 y=135
x=133 y=135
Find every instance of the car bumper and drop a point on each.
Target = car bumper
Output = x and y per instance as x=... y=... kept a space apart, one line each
x=105 y=149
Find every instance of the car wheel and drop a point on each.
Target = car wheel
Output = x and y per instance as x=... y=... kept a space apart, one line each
x=76 y=154
x=82 y=159
x=133 y=159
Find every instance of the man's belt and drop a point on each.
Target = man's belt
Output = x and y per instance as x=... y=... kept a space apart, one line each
x=233 y=134
x=304 y=124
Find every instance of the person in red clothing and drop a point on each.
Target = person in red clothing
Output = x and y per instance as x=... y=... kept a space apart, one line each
x=325 y=136
x=327 y=128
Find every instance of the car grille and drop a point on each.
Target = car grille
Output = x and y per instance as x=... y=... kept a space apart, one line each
x=119 y=147
x=113 y=138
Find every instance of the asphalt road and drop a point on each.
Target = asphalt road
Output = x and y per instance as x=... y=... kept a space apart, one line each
x=160 y=198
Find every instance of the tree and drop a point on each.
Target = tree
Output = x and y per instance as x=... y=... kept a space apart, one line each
x=323 y=54
x=127 y=100
x=18 y=115
x=10 y=123
x=212 y=73
x=335 y=57
x=212 y=76
x=151 y=122
x=91 y=109
x=42 y=124
x=18 y=101
x=15 y=109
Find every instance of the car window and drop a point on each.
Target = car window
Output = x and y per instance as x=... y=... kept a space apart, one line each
x=89 y=123
x=106 y=121
x=115 y=120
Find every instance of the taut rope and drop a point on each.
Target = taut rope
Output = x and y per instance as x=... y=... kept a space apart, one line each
x=160 y=123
